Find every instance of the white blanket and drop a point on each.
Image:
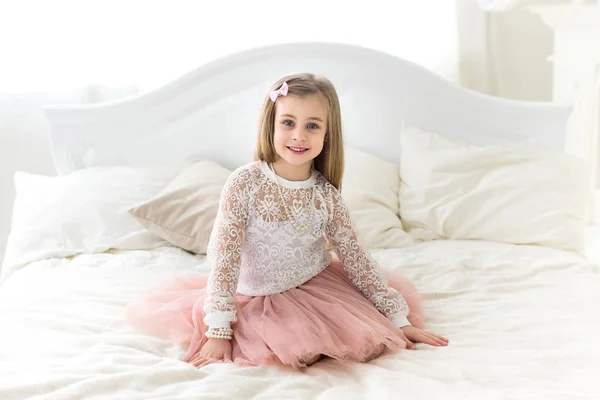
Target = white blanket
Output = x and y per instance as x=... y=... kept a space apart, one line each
x=523 y=323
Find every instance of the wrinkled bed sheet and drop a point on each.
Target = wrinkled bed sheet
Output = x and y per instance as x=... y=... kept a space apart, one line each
x=523 y=323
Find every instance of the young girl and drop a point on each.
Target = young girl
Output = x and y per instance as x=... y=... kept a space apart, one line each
x=275 y=294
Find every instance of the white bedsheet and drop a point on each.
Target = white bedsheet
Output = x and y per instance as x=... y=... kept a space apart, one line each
x=523 y=323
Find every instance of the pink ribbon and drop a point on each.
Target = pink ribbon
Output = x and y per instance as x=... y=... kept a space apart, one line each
x=282 y=91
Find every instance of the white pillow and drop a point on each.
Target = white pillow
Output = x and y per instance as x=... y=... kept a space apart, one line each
x=454 y=190
x=82 y=212
x=370 y=190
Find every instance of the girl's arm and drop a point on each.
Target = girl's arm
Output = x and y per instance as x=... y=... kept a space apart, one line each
x=224 y=253
x=362 y=269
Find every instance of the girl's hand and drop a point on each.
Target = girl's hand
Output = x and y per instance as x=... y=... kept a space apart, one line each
x=213 y=350
x=413 y=334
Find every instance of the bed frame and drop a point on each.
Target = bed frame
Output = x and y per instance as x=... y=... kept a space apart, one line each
x=212 y=112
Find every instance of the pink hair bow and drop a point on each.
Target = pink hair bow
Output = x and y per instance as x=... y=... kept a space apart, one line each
x=282 y=91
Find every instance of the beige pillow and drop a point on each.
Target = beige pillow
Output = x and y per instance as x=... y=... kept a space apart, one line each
x=370 y=190
x=184 y=212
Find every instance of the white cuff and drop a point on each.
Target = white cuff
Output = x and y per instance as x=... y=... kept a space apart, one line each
x=400 y=320
x=218 y=319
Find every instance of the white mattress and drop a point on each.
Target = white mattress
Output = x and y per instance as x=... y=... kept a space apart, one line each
x=523 y=323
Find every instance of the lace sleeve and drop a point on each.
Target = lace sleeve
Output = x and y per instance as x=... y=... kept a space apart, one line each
x=362 y=269
x=224 y=252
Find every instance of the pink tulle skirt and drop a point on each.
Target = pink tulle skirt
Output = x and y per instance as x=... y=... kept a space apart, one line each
x=326 y=316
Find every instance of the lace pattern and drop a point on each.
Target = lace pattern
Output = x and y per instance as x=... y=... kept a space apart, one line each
x=362 y=269
x=255 y=250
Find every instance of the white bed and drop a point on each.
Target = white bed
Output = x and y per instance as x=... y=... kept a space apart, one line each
x=522 y=320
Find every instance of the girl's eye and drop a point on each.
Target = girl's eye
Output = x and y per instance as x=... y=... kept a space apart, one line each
x=313 y=126
x=288 y=122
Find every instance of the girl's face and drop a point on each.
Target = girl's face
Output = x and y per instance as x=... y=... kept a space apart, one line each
x=300 y=127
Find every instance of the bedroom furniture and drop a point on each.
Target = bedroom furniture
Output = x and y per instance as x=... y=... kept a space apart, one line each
x=576 y=75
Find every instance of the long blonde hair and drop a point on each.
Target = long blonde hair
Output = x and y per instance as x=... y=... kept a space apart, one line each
x=330 y=162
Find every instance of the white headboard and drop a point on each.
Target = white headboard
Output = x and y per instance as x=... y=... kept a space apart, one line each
x=212 y=112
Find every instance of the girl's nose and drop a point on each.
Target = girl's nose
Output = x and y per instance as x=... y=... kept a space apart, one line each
x=299 y=134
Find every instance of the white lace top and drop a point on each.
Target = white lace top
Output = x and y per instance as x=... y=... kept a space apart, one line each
x=256 y=250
